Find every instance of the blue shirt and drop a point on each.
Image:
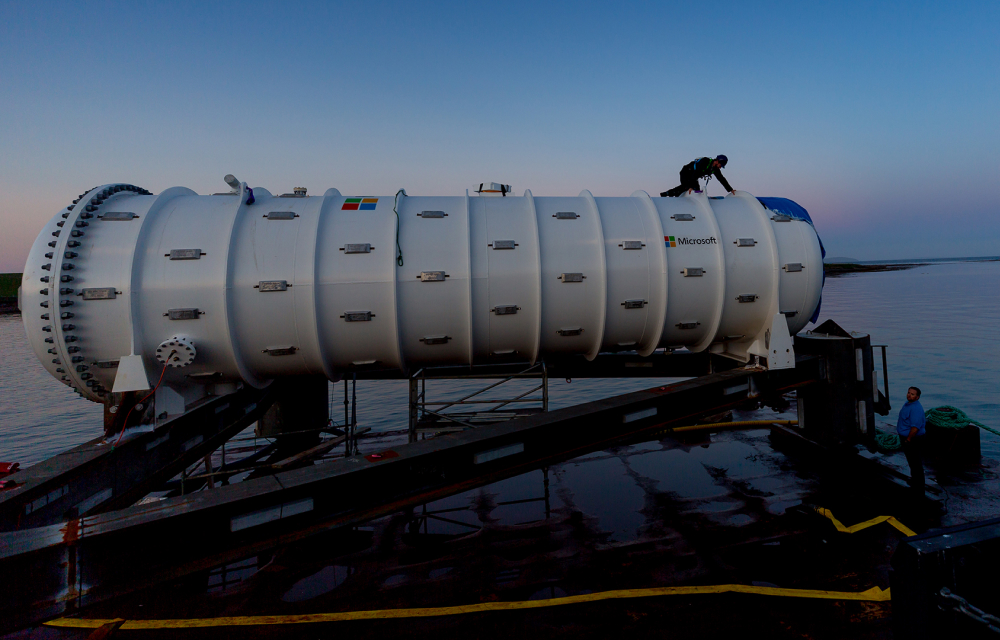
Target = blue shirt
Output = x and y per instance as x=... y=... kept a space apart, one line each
x=911 y=415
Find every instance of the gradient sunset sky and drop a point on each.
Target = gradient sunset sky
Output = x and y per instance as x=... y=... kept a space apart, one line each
x=881 y=119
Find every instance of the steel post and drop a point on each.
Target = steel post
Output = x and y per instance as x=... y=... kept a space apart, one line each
x=414 y=398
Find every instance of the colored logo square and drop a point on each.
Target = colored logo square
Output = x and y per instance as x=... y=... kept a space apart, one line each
x=363 y=204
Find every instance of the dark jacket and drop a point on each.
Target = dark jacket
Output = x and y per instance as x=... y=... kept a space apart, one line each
x=702 y=167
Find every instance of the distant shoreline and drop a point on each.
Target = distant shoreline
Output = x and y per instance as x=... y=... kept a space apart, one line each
x=836 y=269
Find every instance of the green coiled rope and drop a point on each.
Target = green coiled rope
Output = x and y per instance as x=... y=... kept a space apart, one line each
x=887 y=441
x=944 y=417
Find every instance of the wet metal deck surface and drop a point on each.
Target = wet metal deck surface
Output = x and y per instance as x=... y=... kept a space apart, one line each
x=710 y=508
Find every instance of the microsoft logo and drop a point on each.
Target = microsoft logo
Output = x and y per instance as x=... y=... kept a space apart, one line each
x=672 y=241
x=359 y=204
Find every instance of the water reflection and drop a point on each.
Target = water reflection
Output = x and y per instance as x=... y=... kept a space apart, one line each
x=729 y=478
x=323 y=581
x=678 y=472
x=228 y=576
x=736 y=459
x=515 y=501
x=603 y=489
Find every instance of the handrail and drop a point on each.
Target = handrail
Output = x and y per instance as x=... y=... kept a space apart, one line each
x=420 y=406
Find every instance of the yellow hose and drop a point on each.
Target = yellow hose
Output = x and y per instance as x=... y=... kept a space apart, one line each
x=867 y=523
x=729 y=425
x=874 y=594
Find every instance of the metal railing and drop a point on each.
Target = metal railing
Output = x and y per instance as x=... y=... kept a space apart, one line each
x=434 y=417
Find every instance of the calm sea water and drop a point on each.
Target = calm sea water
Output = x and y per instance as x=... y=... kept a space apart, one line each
x=940 y=323
x=939 y=320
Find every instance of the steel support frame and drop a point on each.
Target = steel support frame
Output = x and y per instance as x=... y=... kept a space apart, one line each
x=662 y=364
x=98 y=476
x=102 y=556
x=419 y=405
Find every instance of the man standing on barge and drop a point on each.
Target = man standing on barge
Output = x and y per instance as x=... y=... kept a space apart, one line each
x=911 y=428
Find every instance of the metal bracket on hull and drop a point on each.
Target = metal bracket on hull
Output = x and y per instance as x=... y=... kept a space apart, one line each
x=777 y=345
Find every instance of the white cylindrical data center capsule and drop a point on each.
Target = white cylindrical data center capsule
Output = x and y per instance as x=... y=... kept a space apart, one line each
x=295 y=285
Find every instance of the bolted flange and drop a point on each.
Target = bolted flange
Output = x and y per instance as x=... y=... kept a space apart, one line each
x=176 y=352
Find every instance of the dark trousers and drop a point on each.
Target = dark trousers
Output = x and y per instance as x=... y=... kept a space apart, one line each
x=914 y=452
x=688 y=181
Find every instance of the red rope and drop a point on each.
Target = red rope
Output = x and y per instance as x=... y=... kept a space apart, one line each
x=125 y=422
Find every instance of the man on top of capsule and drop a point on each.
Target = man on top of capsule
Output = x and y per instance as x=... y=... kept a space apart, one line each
x=700 y=168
